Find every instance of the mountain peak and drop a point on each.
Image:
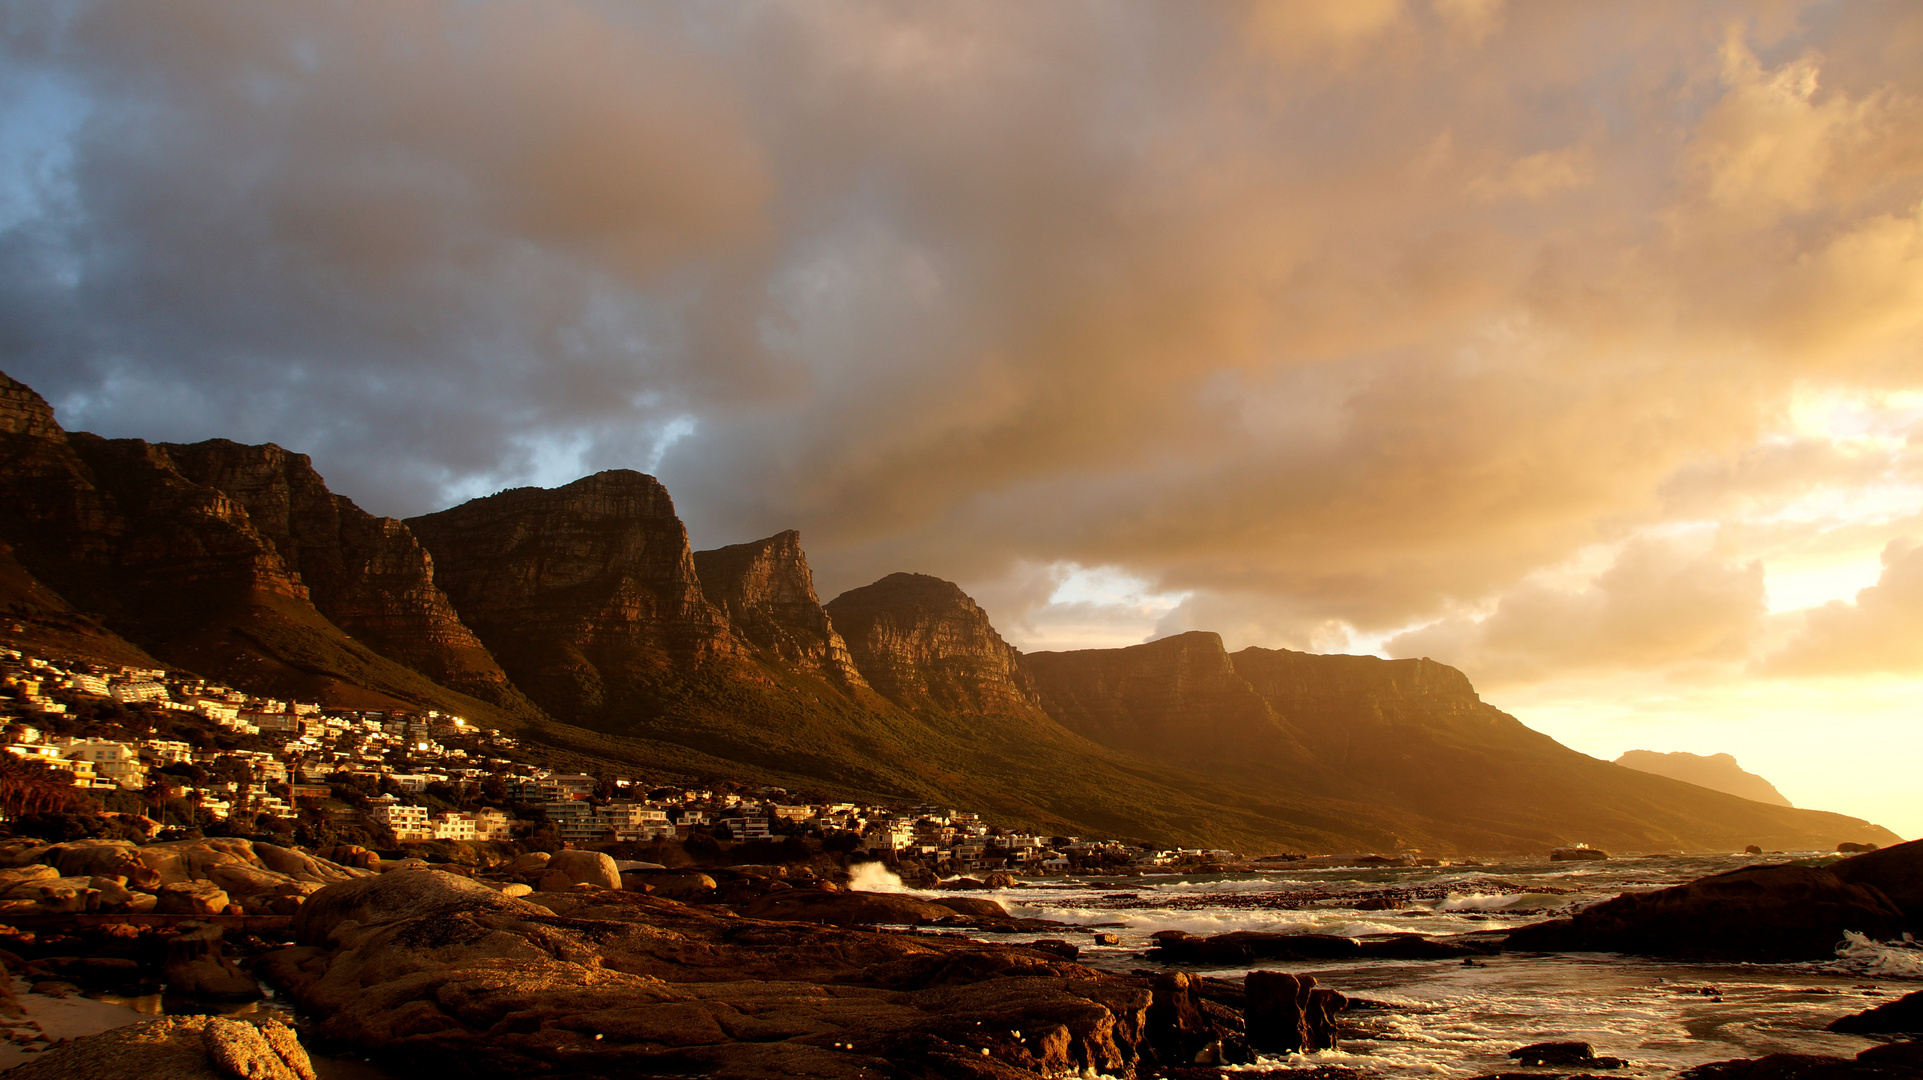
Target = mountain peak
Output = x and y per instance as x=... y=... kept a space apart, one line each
x=768 y=591
x=922 y=641
x=1717 y=772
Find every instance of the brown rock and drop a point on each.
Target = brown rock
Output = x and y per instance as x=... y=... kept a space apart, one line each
x=177 y=1048
x=104 y=858
x=191 y=898
x=1758 y=913
x=570 y=868
x=848 y=909
x=1902 y=1016
x=1286 y=1013
x=972 y=907
x=429 y=970
x=1896 y=871
x=687 y=887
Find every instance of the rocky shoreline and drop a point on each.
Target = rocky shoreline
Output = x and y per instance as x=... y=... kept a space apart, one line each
x=572 y=965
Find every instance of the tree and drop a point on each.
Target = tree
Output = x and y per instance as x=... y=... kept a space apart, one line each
x=30 y=787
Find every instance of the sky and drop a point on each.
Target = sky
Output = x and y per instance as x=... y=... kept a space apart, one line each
x=1573 y=345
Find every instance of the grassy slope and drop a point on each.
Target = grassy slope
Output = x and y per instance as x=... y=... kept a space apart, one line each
x=1020 y=770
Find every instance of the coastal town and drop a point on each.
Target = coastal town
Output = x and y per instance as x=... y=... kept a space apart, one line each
x=165 y=754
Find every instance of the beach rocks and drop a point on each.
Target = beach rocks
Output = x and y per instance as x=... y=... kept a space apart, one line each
x=1577 y=854
x=1243 y=946
x=1286 y=1013
x=177 y=1048
x=569 y=868
x=191 y=898
x=1904 y=1015
x=849 y=908
x=1579 y=1055
x=425 y=969
x=687 y=887
x=1758 y=913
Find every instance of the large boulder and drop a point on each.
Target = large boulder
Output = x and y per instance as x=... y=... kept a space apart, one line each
x=400 y=896
x=1247 y=946
x=1762 y=914
x=1896 y=870
x=243 y=869
x=686 y=886
x=191 y=898
x=104 y=858
x=301 y=866
x=176 y=1048
x=1287 y=1013
x=53 y=895
x=567 y=869
x=1902 y=1016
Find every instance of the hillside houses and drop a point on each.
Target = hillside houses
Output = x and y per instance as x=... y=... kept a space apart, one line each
x=295 y=760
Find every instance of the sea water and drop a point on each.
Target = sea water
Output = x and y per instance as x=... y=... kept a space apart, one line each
x=1444 y=1018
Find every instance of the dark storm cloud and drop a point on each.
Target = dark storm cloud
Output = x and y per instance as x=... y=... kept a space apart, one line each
x=1347 y=313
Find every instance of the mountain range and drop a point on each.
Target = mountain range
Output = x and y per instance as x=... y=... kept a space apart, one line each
x=580 y=617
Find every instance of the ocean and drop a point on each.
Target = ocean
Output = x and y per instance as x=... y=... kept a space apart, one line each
x=1445 y=1018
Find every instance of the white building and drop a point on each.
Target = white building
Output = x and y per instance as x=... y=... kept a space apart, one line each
x=408 y=822
x=113 y=761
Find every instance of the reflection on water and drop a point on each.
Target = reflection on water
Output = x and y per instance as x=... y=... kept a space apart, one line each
x=1448 y=1019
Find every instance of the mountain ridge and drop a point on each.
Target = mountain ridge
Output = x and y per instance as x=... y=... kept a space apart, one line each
x=581 y=616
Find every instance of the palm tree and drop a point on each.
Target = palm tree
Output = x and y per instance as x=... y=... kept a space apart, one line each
x=30 y=787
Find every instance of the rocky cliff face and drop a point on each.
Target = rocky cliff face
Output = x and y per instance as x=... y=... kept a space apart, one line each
x=1344 y=706
x=177 y=567
x=1178 y=696
x=767 y=591
x=924 y=644
x=367 y=575
x=587 y=594
x=24 y=412
x=1717 y=772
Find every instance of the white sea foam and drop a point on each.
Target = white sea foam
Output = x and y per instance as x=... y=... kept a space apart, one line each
x=1480 y=901
x=874 y=877
x=1889 y=959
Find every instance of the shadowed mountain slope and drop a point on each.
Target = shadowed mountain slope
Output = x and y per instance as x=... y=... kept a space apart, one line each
x=178 y=569
x=1407 y=734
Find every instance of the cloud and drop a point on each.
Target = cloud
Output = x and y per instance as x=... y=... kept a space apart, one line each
x=1658 y=605
x=1882 y=631
x=1333 y=319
